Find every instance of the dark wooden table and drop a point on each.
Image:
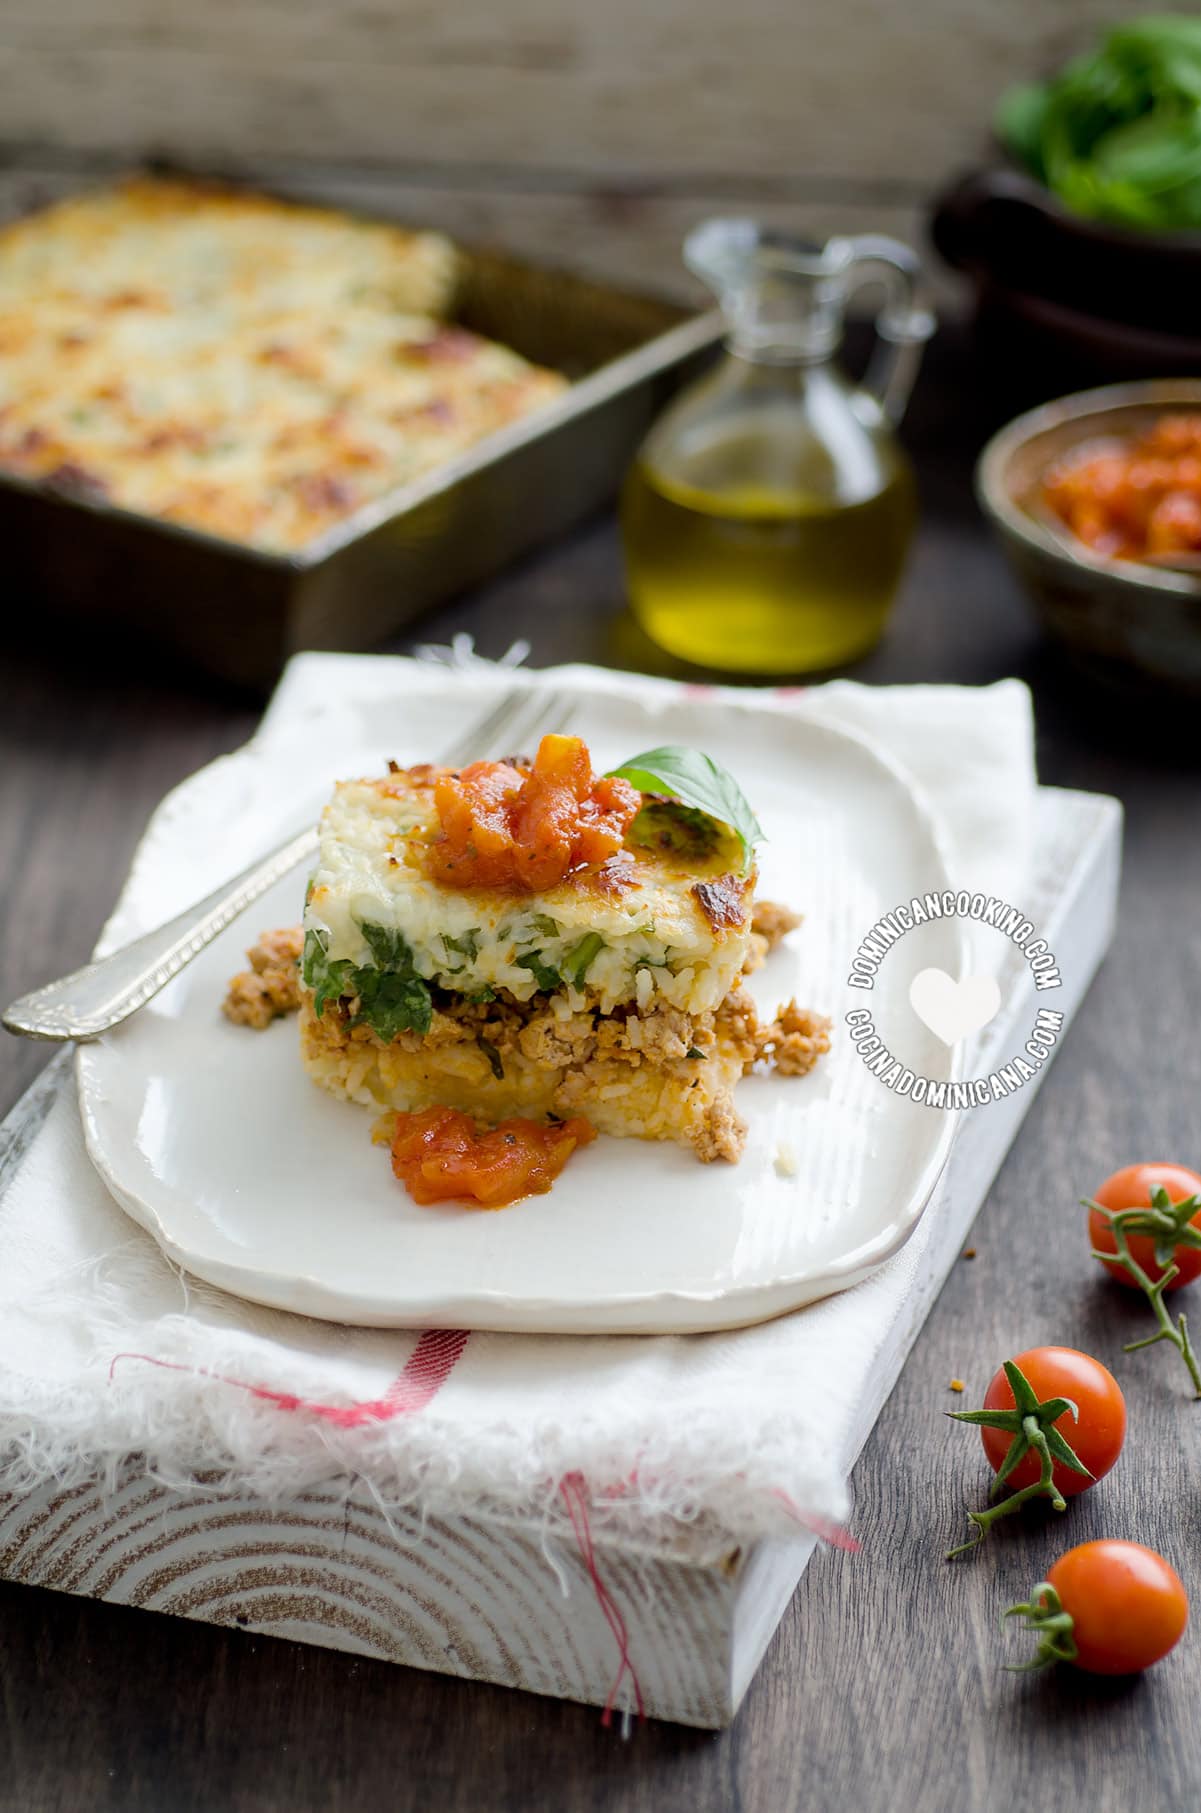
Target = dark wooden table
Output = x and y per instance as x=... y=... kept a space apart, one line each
x=883 y=1687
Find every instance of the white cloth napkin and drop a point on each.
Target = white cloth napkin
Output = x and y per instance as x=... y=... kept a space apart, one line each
x=748 y=1429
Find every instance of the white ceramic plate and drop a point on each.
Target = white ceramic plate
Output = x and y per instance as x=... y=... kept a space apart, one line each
x=213 y=1138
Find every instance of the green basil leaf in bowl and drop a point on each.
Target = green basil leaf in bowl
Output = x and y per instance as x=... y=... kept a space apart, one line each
x=1116 y=135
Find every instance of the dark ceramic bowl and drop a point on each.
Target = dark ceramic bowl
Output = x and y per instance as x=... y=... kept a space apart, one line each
x=1120 y=615
x=1061 y=300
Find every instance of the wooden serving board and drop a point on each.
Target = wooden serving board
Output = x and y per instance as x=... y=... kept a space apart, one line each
x=499 y=1600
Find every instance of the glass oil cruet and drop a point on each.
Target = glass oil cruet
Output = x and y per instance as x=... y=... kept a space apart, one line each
x=768 y=512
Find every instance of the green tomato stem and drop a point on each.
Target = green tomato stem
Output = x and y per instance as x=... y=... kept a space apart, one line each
x=1164 y=1222
x=1028 y=1422
x=1044 y=1614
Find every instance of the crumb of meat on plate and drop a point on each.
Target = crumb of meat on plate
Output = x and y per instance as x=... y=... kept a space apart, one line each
x=270 y=988
x=770 y=925
x=793 y=1042
x=773 y=922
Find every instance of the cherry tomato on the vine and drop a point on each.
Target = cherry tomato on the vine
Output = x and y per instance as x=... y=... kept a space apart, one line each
x=1127 y=1607
x=1130 y=1188
x=1096 y=1436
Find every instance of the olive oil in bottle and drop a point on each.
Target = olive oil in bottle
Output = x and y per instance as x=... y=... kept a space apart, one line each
x=768 y=513
x=763 y=581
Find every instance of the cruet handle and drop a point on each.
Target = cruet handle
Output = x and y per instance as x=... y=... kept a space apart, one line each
x=903 y=324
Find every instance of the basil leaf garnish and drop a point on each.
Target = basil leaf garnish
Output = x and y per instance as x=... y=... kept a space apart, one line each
x=695 y=780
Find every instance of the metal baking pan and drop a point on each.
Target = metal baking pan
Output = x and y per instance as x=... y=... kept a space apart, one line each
x=239 y=612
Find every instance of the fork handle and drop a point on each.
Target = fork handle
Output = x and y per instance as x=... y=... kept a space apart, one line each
x=100 y=995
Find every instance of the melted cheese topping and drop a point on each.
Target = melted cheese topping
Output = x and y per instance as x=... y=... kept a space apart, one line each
x=655 y=943
x=245 y=366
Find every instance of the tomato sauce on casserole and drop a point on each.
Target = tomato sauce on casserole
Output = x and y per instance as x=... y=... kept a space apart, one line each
x=527 y=827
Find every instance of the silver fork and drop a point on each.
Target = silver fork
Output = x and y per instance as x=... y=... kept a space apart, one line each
x=100 y=995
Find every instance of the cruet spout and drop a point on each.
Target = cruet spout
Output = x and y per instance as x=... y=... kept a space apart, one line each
x=784 y=298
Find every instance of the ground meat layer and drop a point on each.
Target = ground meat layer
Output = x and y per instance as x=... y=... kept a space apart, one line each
x=506 y=1060
x=656 y=1075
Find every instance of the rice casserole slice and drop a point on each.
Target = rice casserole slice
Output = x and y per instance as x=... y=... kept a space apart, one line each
x=613 y=994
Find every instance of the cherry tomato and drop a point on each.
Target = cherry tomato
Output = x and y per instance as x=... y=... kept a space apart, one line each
x=1130 y=1188
x=1096 y=1437
x=1128 y=1606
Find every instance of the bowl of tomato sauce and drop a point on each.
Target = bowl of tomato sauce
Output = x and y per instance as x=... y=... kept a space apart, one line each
x=1096 y=501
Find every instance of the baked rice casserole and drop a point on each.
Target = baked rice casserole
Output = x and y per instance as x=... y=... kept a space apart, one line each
x=240 y=364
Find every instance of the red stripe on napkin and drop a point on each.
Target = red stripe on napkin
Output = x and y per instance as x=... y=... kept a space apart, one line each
x=821 y=1527
x=575 y=1497
x=424 y=1373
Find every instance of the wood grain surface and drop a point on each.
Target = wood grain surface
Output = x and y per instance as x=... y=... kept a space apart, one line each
x=683 y=87
x=475 y=1598
x=883 y=1688
x=596 y=135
